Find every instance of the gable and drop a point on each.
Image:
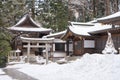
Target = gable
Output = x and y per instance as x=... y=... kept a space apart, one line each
x=27 y=21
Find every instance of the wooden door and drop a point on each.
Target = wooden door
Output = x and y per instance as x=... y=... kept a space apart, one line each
x=78 y=47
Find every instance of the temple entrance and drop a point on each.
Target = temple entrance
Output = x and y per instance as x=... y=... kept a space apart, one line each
x=60 y=47
x=78 y=47
x=36 y=43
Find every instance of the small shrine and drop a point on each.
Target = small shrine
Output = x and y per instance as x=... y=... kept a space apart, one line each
x=28 y=37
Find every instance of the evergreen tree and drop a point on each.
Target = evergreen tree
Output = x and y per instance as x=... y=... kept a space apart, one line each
x=1 y=10
x=4 y=46
x=4 y=36
x=11 y=11
x=54 y=15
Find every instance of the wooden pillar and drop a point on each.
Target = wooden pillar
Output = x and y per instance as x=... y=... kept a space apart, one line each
x=52 y=52
x=67 y=44
x=17 y=53
x=53 y=47
x=28 y=52
x=46 y=53
x=8 y=57
x=65 y=47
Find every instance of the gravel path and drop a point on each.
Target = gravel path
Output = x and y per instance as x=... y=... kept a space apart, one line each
x=17 y=75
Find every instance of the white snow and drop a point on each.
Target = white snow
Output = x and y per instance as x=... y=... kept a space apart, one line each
x=29 y=29
x=79 y=30
x=59 y=54
x=3 y=76
x=40 y=60
x=1 y=72
x=85 y=28
x=109 y=47
x=59 y=41
x=117 y=14
x=88 y=67
x=21 y=20
x=38 y=24
x=82 y=23
x=55 y=34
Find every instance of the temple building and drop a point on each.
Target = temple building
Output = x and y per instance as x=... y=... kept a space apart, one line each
x=89 y=37
x=79 y=38
x=27 y=27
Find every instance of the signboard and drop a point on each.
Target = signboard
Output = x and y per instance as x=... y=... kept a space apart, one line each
x=89 y=44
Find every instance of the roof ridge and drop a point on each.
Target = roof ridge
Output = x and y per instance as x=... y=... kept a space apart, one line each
x=27 y=20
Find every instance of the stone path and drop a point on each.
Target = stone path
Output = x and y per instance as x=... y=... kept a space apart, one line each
x=17 y=75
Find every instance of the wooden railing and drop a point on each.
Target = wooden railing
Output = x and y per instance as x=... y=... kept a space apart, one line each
x=13 y=56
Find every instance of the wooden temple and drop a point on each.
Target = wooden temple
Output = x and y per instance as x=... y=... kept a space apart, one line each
x=27 y=27
x=90 y=37
x=113 y=20
x=28 y=37
x=78 y=39
x=76 y=36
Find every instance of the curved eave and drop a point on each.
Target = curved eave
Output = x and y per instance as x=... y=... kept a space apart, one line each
x=78 y=34
x=82 y=24
x=111 y=19
x=71 y=33
x=56 y=35
x=29 y=29
x=65 y=36
x=111 y=30
x=115 y=21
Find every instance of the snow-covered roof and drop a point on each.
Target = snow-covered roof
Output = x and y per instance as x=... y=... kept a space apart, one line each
x=117 y=14
x=28 y=24
x=82 y=23
x=55 y=34
x=79 y=30
x=113 y=19
x=24 y=20
x=29 y=29
x=99 y=26
x=85 y=29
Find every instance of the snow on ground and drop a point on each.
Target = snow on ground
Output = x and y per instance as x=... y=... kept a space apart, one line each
x=89 y=67
x=3 y=76
x=1 y=71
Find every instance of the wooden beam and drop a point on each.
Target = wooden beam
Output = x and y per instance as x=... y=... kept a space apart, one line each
x=28 y=52
x=37 y=40
x=35 y=46
x=54 y=47
x=46 y=53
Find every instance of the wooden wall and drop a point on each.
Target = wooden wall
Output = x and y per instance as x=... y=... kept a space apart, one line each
x=101 y=41
x=89 y=50
x=116 y=40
